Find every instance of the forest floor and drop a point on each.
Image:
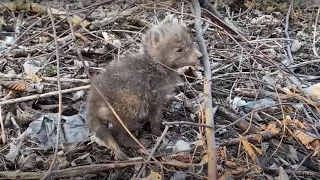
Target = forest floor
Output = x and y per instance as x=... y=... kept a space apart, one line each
x=265 y=85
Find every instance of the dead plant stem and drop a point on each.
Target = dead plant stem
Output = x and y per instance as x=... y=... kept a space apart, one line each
x=38 y=96
x=153 y=151
x=3 y=135
x=211 y=142
x=287 y=34
x=47 y=174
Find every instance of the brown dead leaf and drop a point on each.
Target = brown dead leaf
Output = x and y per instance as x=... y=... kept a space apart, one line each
x=21 y=86
x=223 y=152
x=77 y=20
x=238 y=171
x=80 y=36
x=298 y=96
x=231 y=164
x=153 y=176
x=27 y=116
x=300 y=124
x=272 y=127
x=250 y=149
x=33 y=77
x=309 y=140
x=298 y=13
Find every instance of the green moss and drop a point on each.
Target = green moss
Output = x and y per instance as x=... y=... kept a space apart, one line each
x=50 y=71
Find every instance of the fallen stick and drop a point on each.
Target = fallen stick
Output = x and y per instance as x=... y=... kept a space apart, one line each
x=47 y=174
x=13 y=76
x=45 y=95
x=211 y=142
x=87 y=169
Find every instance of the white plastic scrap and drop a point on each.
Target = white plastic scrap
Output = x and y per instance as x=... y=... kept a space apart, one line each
x=182 y=145
x=295 y=46
x=237 y=102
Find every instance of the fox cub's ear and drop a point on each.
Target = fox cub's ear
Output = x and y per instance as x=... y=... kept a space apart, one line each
x=154 y=38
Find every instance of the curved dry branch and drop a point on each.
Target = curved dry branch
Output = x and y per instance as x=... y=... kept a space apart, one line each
x=211 y=142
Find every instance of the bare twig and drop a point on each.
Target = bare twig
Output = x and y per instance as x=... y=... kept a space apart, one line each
x=186 y=123
x=287 y=34
x=314 y=34
x=211 y=142
x=13 y=76
x=3 y=135
x=315 y=61
x=153 y=151
x=88 y=169
x=60 y=96
x=38 y=96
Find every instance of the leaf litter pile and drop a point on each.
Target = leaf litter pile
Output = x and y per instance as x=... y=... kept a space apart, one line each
x=265 y=88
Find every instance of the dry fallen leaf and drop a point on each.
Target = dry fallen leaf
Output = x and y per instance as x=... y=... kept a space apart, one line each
x=309 y=140
x=20 y=86
x=80 y=36
x=153 y=176
x=231 y=164
x=249 y=148
x=300 y=124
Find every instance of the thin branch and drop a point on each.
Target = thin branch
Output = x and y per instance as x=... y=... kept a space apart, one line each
x=3 y=135
x=287 y=34
x=88 y=169
x=153 y=151
x=13 y=76
x=211 y=142
x=45 y=95
x=314 y=34
x=60 y=96
x=186 y=123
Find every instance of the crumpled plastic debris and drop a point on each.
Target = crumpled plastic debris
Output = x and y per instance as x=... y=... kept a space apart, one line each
x=261 y=103
x=9 y=40
x=73 y=129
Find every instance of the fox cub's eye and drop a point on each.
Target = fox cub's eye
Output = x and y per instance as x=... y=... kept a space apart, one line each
x=179 y=50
